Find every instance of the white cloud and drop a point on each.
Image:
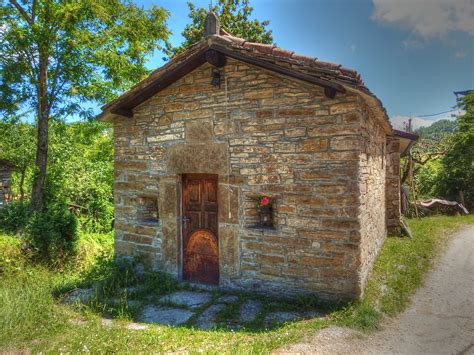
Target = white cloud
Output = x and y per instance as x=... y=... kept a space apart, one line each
x=399 y=121
x=427 y=18
x=412 y=44
x=353 y=47
x=461 y=54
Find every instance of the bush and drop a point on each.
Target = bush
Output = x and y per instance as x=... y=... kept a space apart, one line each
x=14 y=216
x=52 y=233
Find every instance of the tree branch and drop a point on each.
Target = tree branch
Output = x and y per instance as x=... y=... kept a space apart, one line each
x=22 y=11
x=33 y=10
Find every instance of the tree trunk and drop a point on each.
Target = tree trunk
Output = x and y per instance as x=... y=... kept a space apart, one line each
x=22 y=183
x=37 y=194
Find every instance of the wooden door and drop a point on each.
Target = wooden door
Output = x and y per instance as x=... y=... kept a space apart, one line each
x=200 y=228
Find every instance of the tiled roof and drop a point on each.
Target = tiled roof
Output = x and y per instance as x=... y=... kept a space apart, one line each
x=307 y=64
x=320 y=70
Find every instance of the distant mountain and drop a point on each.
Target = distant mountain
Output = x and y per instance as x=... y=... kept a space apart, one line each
x=437 y=130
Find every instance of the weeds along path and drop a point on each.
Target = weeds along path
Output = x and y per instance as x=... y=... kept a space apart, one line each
x=439 y=319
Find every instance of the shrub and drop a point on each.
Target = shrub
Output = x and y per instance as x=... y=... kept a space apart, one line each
x=52 y=233
x=14 y=216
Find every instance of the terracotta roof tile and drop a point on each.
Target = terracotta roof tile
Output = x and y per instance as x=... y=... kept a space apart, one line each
x=302 y=63
x=280 y=52
x=302 y=58
x=260 y=47
x=349 y=72
x=236 y=40
x=335 y=71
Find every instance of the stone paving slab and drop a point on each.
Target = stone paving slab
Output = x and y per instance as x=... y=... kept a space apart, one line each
x=207 y=319
x=106 y=322
x=79 y=295
x=188 y=299
x=136 y=326
x=165 y=315
x=227 y=299
x=249 y=311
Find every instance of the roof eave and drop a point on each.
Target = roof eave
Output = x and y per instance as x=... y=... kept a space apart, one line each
x=123 y=105
x=408 y=135
x=210 y=50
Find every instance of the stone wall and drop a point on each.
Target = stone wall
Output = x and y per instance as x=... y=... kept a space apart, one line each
x=5 y=183
x=392 y=192
x=372 y=193
x=277 y=137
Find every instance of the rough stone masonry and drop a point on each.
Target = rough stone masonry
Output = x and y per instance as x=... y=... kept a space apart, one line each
x=327 y=163
x=5 y=181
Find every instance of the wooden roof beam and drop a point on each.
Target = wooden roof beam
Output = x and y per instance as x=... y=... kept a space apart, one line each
x=216 y=56
x=332 y=87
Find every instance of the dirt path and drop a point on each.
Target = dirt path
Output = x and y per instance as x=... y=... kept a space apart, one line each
x=439 y=319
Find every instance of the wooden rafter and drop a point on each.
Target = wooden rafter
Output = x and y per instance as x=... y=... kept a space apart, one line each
x=216 y=56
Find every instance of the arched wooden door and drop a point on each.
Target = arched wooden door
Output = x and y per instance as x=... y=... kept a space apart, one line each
x=200 y=229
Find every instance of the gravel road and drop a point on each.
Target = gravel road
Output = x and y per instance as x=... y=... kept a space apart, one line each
x=439 y=319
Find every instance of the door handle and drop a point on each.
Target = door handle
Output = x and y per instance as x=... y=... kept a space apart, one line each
x=185 y=219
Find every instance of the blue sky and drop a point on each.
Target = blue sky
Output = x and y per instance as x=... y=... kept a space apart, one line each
x=411 y=53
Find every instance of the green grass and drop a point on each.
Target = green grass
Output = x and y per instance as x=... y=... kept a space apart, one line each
x=400 y=267
x=32 y=318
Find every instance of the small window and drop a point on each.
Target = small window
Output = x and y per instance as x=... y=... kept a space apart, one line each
x=148 y=209
x=261 y=212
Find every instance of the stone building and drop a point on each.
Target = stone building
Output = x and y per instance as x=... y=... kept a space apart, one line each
x=204 y=138
x=6 y=169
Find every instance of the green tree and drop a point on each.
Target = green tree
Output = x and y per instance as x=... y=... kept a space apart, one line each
x=17 y=144
x=456 y=180
x=57 y=54
x=437 y=130
x=234 y=17
x=81 y=172
x=435 y=141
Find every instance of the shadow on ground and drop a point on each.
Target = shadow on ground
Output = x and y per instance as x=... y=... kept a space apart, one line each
x=127 y=291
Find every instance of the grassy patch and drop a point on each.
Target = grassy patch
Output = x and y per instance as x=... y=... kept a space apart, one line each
x=32 y=318
x=400 y=267
x=399 y=271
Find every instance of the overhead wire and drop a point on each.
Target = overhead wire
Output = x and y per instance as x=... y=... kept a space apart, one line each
x=436 y=114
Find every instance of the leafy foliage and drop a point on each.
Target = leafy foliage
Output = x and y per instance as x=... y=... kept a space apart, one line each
x=234 y=17
x=437 y=130
x=80 y=172
x=443 y=158
x=52 y=233
x=14 y=216
x=426 y=155
x=93 y=50
x=18 y=145
x=56 y=55
x=456 y=178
